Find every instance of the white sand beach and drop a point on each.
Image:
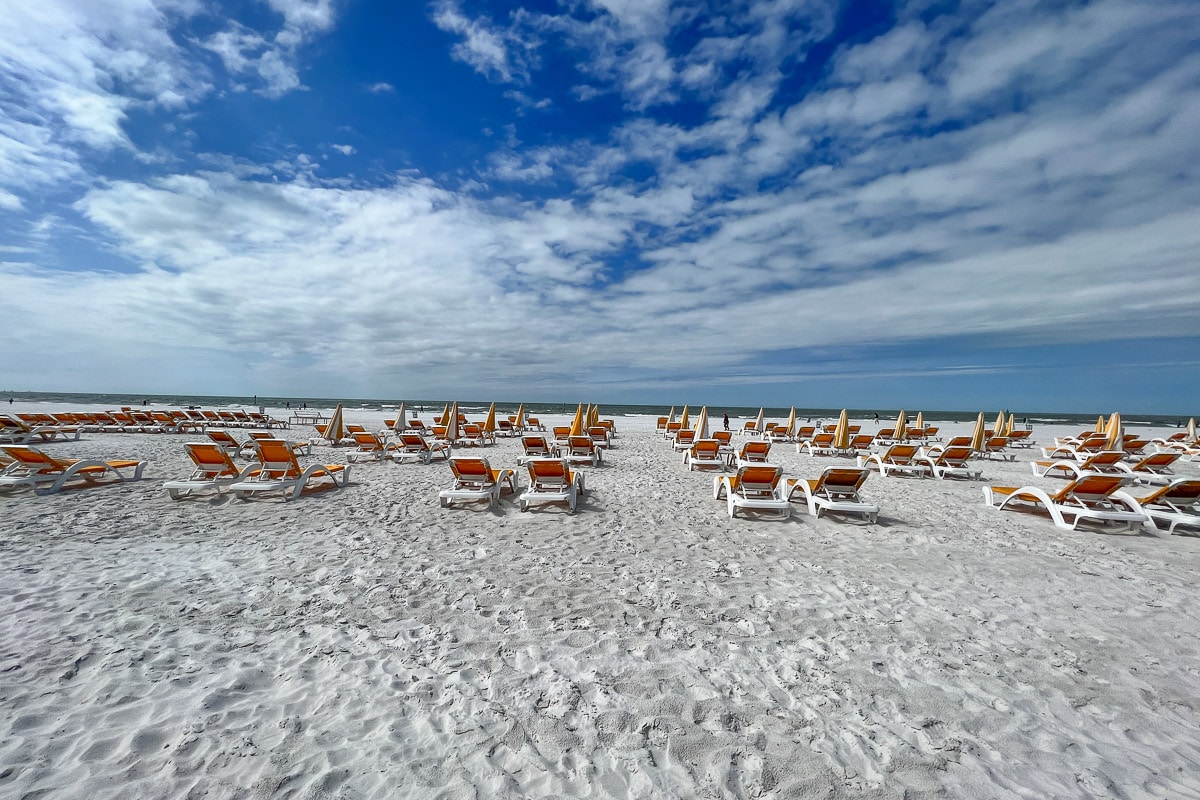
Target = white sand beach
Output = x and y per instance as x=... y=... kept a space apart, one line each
x=366 y=643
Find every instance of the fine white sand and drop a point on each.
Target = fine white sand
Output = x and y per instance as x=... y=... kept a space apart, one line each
x=365 y=643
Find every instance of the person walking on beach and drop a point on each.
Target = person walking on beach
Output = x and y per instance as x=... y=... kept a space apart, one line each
x=725 y=419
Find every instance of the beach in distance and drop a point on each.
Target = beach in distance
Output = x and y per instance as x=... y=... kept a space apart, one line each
x=365 y=642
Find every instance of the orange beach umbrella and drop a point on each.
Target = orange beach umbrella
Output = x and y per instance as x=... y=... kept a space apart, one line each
x=841 y=433
x=1100 y=426
x=1114 y=432
x=489 y=424
x=577 y=423
x=998 y=425
x=920 y=423
x=901 y=426
x=335 y=429
x=791 y=422
x=702 y=423
x=683 y=419
x=977 y=434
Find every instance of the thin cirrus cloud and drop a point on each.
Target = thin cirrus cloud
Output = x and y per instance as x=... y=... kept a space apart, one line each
x=762 y=197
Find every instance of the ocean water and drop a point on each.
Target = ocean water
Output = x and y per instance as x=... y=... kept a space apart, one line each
x=535 y=408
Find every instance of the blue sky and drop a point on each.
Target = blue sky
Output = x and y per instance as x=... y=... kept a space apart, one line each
x=915 y=204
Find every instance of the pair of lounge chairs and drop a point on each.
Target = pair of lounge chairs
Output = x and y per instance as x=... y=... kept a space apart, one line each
x=551 y=480
x=277 y=470
x=14 y=430
x=28 y=467
x=761 y=487
x=899 y=459
x=1092 y=498
x=1153 y=469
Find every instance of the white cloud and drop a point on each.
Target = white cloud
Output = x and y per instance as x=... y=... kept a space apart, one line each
x=380 y=88
x=345 y=149
x=499 y=54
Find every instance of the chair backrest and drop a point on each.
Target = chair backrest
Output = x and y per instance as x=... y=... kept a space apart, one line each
x=1183 y=493
x=959 y=441
x=806 y=432
x=413 y=442
x=549 y=472
x=954 y=456
x=223 y=438
x=900 y=453
x=33 y=459
x=823 y=439
x=708 y=448
x=211 y=458
x=471 y=470
x=562 y=432
x=1156 y=461
x=1105 y=458
x=277 y=458
x=755 y=450
x=758 y=480
x=723 y=437
x=581 y=444
x=862 y=441
x=1089 y=489
x=367 y=441
x=660 y=424
x=472 y=431
x=842 y=481
x=885 y=433
x=685 y=436
x=535 y=445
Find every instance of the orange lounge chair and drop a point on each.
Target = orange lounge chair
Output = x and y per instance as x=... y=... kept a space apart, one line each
x=704 y=454
x=901 y=459
x=33 y=468
x=1153 y=469
x=684 y=439
x=756 y=487
x=1096 y=498
x=551 y=480
x=1176 y=504
x=582 y=450
x=278 y=471
x=214 y=469
x=14 y=430
x=820 y=444
x=473 y=435
x=415 y=447
x=371 y=448
x=755 y=451
x=1106 y=462
x=836 y=490
x=952 y=462
x=474 y=480
x=536 y=447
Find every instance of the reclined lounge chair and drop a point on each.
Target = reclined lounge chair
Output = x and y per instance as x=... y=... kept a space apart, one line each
x=551 y=480
x=214 y=470
x=756 y=487
x=33 y=468
x=278 y=471
x=836 y=490
x=474 y=480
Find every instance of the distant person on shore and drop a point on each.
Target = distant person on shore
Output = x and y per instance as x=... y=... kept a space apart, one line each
x=10 y=401
x=876 y=419
x=725 y=419
x=288 y=404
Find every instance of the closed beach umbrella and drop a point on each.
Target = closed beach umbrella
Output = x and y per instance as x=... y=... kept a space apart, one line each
x=520 y=423
x=577 y=423
x=671 y=416
x=1100 y=426
x=920 y=423
x=593 y=416
x=998 y=425
x=791 y=422
x=977 y=434
x=901 y=426
x=683 y=419
x=401 y=420
x=445 y=415
x=702 y=423
x=334 y=430
x=489 y=424
x=1114 y=432
x=758 y=423
x=451 y=422
x=841 y=433
x=1008 y=426
x=1191 y=429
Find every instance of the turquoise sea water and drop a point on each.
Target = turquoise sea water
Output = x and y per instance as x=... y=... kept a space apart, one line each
x=534 y=407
